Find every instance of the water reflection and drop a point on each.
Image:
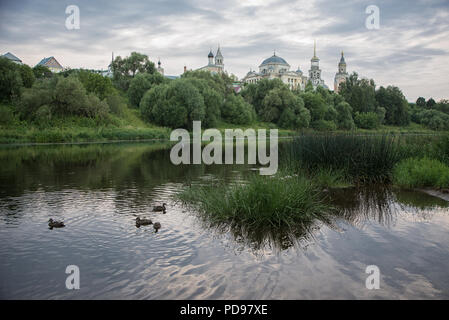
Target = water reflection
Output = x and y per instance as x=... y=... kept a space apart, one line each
x=100 y=190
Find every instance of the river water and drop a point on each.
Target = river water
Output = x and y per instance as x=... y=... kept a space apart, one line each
x=99 y=189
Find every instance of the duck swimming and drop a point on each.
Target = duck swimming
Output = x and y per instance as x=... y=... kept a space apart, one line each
x=156 y=226
x=143 y=222
x=55 y=224
x=160 y=208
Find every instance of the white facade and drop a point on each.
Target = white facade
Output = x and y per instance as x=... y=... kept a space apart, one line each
x=276 y=67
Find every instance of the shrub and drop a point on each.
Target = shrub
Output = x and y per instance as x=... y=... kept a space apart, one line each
x=367 y=120
x=43 y=116
x=116 y=104
x=96 y=83
x=40 y=94
x=6 y=115
x=324 y=125
x=95 y=108
x=433 y=119
x=69 y=97
x=424 y=172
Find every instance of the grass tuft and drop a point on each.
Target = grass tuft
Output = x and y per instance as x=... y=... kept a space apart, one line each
x=424 y=172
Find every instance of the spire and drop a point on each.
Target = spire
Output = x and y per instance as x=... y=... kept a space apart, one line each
x=218 y=52
x=274 y=52
x=314 y=48
x=159 y=61
x=342 y=60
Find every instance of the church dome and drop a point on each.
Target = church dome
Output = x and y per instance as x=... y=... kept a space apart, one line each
x=274 y=60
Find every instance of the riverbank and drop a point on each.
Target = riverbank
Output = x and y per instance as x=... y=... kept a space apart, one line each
x=125 y=130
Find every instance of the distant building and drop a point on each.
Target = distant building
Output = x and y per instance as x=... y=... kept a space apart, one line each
x=341 y=75
x=52 y=64
x=315 y=71
x=276 y=67
x=12 y=57
x=214 y=67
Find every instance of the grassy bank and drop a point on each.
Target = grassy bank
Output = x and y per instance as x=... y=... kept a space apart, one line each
x=127 y=126
x=330 y=158
x=419 y=173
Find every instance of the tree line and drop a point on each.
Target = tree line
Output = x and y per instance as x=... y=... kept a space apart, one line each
x=37 y=95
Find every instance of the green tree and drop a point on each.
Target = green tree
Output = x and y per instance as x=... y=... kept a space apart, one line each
x=96 y=83
x=176 y=104
x=27 y=75
x=443 y=106
x=395 y=105
x=237 y=111
x=41 y=72
x=255 y=94
x=344 y=116
x=69 y=97
x=124 y=69
x=430 y=103
x=421 y=102
x=359 y=93
x=283 y=107
x=140 y=84
x=315 y=104
x=10 y=80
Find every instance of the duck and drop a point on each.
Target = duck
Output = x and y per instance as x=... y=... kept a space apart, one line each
x=160 y=208
x=55 y=224
x=143 y=222
x=156 y=226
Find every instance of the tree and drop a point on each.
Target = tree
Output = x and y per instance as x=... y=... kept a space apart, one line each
x=283 y=107
x=221 y=83
x=237 y=111
x=125 y=69
x=430 y=103
x=421 y=102
x=176 y=104
x=32 y=99
x=69 y=97
x=433 y=119
x=27 y=75
x=395 y=105
x=344 y=116
x=10 y=80
x=140 y=84
x=359 y=93
x=443 y=106
x=255 y=94
x=315 y=104
x=41 y=71
x=96 y=83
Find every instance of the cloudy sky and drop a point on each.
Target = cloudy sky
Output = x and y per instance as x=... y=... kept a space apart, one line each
x=410 y=50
